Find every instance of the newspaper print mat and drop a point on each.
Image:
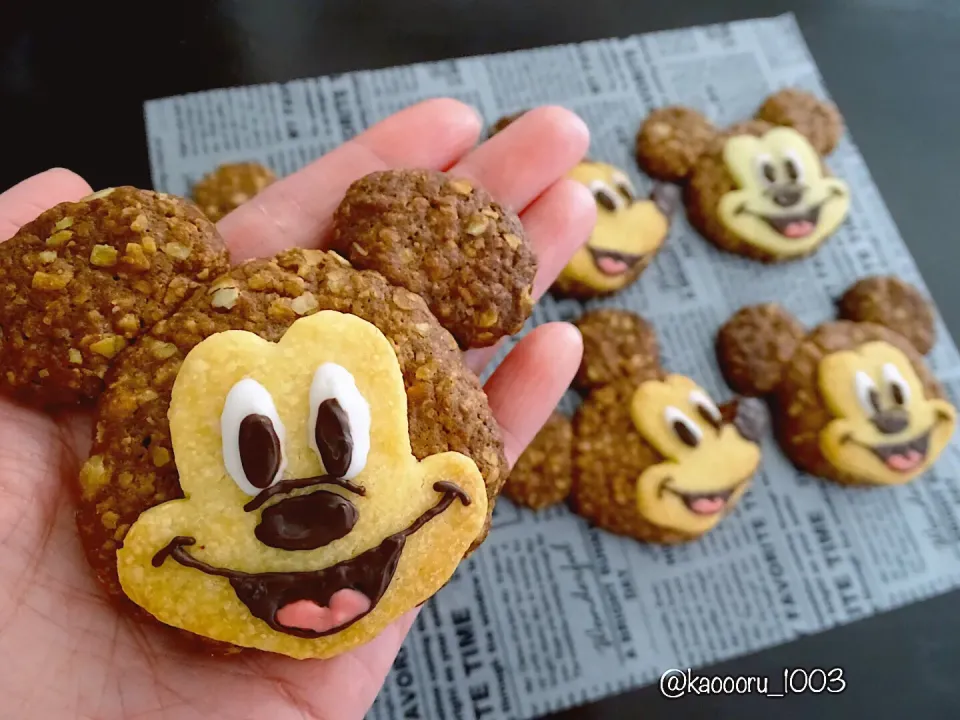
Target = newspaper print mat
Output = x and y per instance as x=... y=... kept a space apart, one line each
x=550 y=612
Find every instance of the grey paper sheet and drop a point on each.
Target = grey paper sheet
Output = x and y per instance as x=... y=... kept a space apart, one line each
x=551 y=613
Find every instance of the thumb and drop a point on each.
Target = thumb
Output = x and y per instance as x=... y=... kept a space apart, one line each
x=27 y=199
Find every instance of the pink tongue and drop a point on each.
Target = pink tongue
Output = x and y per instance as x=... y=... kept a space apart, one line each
x=612 y=266
x=707 y=505
x=905 y=462
x=798 y=229
x=345 y=605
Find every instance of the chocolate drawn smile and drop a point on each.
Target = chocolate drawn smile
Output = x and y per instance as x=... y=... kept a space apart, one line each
x=315 y=603
x=700 y=503
x=900 y=457
x=613 y=263
x=794 y=226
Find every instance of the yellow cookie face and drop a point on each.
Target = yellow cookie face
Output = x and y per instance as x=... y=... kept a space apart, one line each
x=783 y=205
x=307 y=524
x=886 y=430
x=629 y=231
x=707 y=463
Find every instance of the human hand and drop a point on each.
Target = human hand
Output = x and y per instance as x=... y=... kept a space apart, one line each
x=65 y=650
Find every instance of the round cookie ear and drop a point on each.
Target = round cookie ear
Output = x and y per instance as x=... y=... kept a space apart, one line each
x=543 y=475
x=754 y=345
x=891 y=302
x=818 y=120
x=446 y=240
x=86 y=279
x=670 y=141
x=617 y=344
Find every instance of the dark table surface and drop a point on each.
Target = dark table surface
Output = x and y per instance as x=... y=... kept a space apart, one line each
x=892 y=66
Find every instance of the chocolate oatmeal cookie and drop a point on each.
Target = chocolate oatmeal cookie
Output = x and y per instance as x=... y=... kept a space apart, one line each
x=86 y=279
x=653 y=457
x=294 y=444
x=230 y=186
x=758 y=188
x=853 y=400
x=446 y=240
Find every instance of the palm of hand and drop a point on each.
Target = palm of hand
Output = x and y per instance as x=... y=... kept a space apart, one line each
x=65 y=649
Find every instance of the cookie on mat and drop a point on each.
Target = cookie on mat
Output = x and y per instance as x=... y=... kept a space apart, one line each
x=230 y=186
x=853 y=400
x=628 y=233
x=653 y=457
x=288 y=454
x=759 y=188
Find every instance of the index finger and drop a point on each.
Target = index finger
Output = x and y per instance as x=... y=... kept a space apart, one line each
x=298 y=210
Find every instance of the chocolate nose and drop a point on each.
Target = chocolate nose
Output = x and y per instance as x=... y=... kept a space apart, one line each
x=306 y=522
x=890 y=421
x=787 y=196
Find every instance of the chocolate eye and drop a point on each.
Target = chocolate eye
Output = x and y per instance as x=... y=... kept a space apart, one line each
x=899 y=389
x=794 y=167
x=252 y=437
x=867 y=393
x=766 y=170
x=605 y=196
x=707 y=409
x=625 y=187
x=685 y=428
x=339 y=422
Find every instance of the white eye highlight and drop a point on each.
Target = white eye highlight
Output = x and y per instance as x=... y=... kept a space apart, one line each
x=684 y=428
x=706 y=407
x=605 y=196
x=867 y=393
x=898 y=387
x=766 y=170
x=252 y=436
x=339 y=424
x=624 y=186
x=793 y=166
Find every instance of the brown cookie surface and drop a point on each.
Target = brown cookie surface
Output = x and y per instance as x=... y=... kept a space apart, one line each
x=132 y=467
x=544 y=472
x=616 y=344
x=801 y=412
x=891 y=302
x=446 y=240
x=754 y=346
x=230 y=186
x=670 y=141
x=818 y=120
x=503 y=122
x=85 y=279
x=608 y=457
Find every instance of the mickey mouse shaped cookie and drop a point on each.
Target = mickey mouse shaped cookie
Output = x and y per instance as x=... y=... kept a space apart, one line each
x=759 y=188
x=628 y=234
x=653 y=457
x=853 y=400
x=288 y=454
